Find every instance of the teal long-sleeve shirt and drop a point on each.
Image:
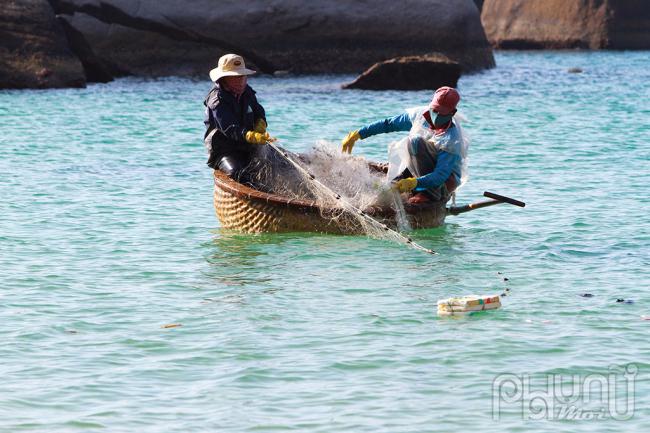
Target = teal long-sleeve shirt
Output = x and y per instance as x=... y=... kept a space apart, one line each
x=446 y=163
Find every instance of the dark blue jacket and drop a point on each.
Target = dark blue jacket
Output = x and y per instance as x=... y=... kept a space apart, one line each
x=232 y=117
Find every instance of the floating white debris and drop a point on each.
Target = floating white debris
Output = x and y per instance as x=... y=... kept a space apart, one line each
x=468 y=304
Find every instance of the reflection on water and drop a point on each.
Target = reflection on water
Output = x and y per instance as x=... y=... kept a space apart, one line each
x=233 y=257
x=238 y=259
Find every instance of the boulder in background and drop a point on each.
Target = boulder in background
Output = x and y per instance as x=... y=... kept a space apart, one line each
x=557 y=24
x=409 y=73
x=628 y=25
x=96 y=70
x=169 y=37
x=34 y=51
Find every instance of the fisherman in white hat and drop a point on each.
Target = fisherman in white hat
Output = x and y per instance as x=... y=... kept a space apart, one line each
x=235 y=122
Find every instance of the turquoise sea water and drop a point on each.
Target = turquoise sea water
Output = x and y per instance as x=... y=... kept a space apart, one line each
x=107 y=233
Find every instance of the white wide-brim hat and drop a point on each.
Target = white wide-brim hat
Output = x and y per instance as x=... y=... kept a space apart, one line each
x=230 y=65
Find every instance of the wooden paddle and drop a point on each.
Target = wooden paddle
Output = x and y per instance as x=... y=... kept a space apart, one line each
x=497 y=199
x=504 y=199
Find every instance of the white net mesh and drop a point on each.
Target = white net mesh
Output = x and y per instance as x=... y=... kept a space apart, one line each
x=350 y=176
x=345 y=187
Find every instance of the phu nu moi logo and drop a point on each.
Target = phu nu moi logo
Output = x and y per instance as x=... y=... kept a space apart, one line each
x=567 y=397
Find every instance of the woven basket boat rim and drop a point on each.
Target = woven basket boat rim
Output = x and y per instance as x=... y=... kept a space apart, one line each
x=229 y=185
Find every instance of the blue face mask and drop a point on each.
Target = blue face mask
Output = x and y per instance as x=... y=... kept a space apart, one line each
x=441 y=120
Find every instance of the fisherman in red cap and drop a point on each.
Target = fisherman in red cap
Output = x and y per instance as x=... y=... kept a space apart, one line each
x=436 y=147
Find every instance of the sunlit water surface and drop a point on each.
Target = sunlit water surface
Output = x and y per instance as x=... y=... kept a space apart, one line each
x=108 y=233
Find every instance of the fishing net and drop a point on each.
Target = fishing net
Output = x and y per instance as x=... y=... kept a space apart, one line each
x=347 y=189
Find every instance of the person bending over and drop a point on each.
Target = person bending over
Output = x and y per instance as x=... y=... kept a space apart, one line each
x=435 y=161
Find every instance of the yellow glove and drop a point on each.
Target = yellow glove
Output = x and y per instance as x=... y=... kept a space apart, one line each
x=257 y=138
x=348 y=141
x=406 y=185
x=260 y=126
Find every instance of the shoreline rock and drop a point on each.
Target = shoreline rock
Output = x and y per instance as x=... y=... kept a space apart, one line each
x=409 y=73
x=167 y=37
x=95 y=69
x=34 y=53
x=567 y=24
x=97 y=40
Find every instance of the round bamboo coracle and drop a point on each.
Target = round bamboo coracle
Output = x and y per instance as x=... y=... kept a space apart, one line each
x=245 y=209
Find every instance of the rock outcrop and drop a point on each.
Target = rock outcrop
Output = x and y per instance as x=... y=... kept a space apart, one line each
x=162 y=37
x=590 y=24
x=96 y=70
x=126 y=50
x=629 y=25
x=34 y=51
x=409 y=73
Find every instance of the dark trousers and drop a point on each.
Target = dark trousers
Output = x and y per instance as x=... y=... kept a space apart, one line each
x=423 y=159
x=235 y=165
x=422 y=162
x=259 y=167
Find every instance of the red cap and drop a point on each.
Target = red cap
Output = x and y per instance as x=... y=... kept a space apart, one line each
x=445 y=100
